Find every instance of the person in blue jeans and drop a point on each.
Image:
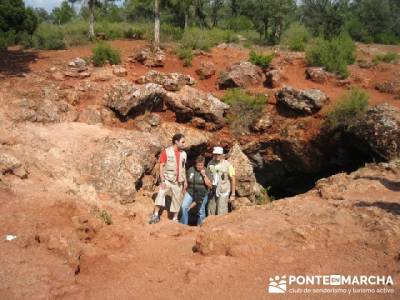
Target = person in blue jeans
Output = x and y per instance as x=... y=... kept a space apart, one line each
x=197 y=191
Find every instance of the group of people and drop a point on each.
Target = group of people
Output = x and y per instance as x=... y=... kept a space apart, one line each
x=209 y=189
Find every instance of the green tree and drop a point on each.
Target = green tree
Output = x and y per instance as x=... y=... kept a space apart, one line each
x=326 y=17
x=15 y=17
x=63 y=14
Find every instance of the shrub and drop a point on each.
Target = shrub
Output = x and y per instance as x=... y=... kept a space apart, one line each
x=244 y=110
x=260 y=60
x=296 y=37
x=334 y=55
x=352 y=105
x=103 y=53
x=387 y=57
x=105 y=216
x=3 y=42
x=48 y=37
x=205 y=39
x=239 y=23
x=186 y=55
x=386 y=38
x=25 y=40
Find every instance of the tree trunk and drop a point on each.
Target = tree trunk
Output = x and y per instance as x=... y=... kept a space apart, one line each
x=186 y=20
x=91 y=19
x=156 y=24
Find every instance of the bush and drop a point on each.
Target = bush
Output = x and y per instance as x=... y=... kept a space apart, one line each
x=105 y=216
x=25 y=40
x=260 y=60
x=103 y=53
x=386 y=38
x=351 y=106
x=244 y=110
x=205 y=39
x=239 y=23
x=387 y=57
x=48 y=37
x=296 y=37
x=3 y=42
x=186 y=55
x=334 y=55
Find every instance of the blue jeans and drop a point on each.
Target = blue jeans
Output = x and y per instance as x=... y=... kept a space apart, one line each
x=187 y=201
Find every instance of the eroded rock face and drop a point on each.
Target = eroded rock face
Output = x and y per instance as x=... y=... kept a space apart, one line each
x=190 y=102
x=118 y=165
x=245 y=178
x=301 y=102
x=150 y=58
x=41 y=110
x=378 y=131
x=170 y=81
x=263 y=124
x=243 y=74
x=124 y=97
x=10 y=164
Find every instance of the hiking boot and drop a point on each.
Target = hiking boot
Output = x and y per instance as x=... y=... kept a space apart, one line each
x=154 y=219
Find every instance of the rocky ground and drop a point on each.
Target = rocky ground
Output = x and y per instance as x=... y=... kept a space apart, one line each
x=79 y=144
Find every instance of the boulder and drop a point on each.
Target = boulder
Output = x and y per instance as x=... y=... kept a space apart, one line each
x=95 y=114
x=390 y=87
x=262 y=124
x=317 y=74
x=102 y=74
x=190 y=102
x=125 y=97
x=119 y=71
x=301 y=102
x=150 y=57
x=206 y=70
x=78 y=63
x=10 y=164
x=378 y=132
x=242 y=74
x=170 y=81
x=274 y=78
x=245 y=178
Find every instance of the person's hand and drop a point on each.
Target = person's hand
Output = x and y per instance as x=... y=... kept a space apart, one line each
x=232 y=198
x=203 y=172
x=185 y=185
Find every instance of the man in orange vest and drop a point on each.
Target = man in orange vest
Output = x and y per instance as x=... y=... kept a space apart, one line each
x=173 y=177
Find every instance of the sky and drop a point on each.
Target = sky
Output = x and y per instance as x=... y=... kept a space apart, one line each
x=46 y=4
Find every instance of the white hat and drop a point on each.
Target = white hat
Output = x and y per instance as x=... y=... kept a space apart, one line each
x=218 y=150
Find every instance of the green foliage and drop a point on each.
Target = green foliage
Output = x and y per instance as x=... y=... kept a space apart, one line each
x=48 y=37
x=349 y=108
x=296 y=37
x=334 y=55
x=386 y=38
x=205 y=39
x=186 y=55
x=62 y=14
x=103 y=53
x=244 y=109
x=260 y=60
x=106 y=217
x=25 y=40
x=387 y=58
x=239 y=23
x=14 y=16
x=3 y=42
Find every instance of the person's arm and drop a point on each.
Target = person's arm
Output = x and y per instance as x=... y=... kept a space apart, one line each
x=163 y=160
x=232 y=177
x=207 y=181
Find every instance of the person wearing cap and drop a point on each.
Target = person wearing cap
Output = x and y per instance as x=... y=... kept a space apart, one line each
x=223 y=181
x=173 y=177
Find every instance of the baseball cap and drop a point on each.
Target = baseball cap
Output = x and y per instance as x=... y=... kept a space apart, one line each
x=218 y=150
